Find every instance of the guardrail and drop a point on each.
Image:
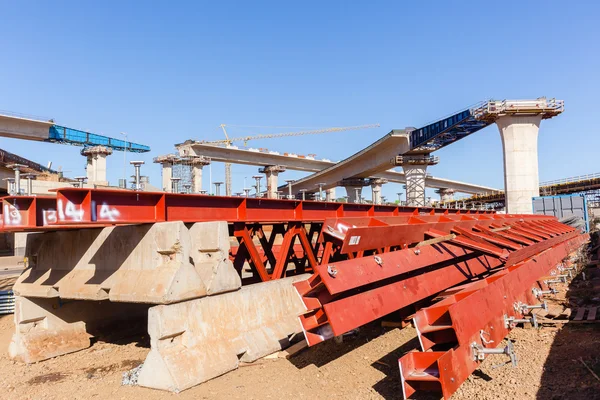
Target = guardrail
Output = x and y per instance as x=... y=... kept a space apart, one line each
x=573 y=179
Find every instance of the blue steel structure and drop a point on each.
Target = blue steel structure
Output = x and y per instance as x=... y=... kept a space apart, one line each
x=447 y=130
x=64 y=135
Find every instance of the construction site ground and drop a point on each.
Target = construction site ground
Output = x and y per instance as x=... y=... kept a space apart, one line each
x=553 y=364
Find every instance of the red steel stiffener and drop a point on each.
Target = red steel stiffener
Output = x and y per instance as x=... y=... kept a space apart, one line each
x=470 y=322
x=375 y=266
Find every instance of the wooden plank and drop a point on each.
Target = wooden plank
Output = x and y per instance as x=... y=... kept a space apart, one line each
x=554 y=310
x=592 y=314
x=540 y=312
x=579 y=315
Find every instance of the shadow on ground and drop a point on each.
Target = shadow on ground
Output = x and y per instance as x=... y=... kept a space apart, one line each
x=576 y=347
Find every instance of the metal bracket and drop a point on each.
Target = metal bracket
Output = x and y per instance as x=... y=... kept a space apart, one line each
x=525 y=308
x=332 y=271
x=539 y=293
x=479 y=352
x=378 y=260
x=512 y=322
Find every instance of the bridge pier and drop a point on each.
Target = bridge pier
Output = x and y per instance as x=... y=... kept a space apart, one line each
x=519 y=135
x=198 y=164
x=446 y=195
x=354 y=188
x=376 y=185
x=96 y=164
x=415 y=170
x=330 y=194
x=272 y=173
x=166 y=162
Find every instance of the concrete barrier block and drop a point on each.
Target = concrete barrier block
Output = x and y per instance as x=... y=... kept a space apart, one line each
x=140 y=263
x=46 y=328
x=210 y=254
x=197 y=340
x=41 y=333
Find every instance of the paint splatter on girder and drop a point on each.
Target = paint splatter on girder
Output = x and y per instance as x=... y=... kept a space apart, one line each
x=374 y=266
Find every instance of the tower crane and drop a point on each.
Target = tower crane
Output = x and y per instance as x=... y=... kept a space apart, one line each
x=228 y=141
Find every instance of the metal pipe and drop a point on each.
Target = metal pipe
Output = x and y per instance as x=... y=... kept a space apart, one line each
x=257 y=178
x=289 y=182
x=320 y=191
x=218 y=188
x=303 y=191
x=175 y=184
x=137 y=165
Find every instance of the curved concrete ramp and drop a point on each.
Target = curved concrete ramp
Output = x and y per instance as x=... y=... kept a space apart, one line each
x=370 y=161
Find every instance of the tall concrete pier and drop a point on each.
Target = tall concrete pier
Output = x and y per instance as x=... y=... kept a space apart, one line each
x=198 y=164
x=520 y=152
x=519 y=122
x=376 y=185
x=166 y=162
x=354 y=188
x=272 y=174
x=96 y=163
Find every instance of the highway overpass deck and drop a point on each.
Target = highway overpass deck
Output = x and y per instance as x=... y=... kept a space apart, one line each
x=20 y=127
x=308 y=164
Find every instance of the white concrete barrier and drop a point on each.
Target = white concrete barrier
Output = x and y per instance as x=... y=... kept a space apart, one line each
x=157 y=263
x=197 y=340
x=46 y=328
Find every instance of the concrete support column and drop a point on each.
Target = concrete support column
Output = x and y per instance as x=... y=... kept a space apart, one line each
x=197 y=164
x=167 y=162
x=446 y=195
x=330 y=194
x=167 y=175
x=96 y=164
x=415 y=170
x=353 y=193
x=272 y=172
x=354 y=189
x=519 y=135
x=376 y=185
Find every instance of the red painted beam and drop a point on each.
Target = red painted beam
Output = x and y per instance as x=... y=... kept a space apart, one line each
x=453 y=322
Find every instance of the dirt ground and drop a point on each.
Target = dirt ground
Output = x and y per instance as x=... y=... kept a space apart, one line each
x=363 y=367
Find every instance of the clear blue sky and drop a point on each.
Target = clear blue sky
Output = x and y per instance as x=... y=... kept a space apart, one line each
x=166 y=72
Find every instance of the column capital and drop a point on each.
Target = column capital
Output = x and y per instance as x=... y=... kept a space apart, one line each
x=199 y=161
x=417 y=159
x=166 y=159
x=359 y=182
x=271 y=169
x=445 y=191
x=96 y=150
x=377 y=181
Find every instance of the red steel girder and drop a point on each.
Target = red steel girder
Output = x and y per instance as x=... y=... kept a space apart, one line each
x=474 y=316
x=358 y=234
x=278 y=256
x=80 y=207
x=346 y=294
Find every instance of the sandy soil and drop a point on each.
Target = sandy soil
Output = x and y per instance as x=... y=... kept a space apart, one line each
x=363 y=367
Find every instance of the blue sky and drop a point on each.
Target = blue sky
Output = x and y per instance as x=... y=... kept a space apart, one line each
x=171 y=71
